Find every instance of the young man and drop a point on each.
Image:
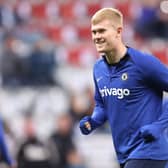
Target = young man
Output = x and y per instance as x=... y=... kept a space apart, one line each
x=129 y=88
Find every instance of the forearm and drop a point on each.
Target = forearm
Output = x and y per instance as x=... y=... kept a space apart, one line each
x=155 y=130
x=90 y=123
x=99 y=115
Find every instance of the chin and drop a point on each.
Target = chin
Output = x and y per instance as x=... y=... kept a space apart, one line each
x=100 y=50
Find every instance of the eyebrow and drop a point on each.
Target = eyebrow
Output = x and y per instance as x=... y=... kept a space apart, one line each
x=98 y=30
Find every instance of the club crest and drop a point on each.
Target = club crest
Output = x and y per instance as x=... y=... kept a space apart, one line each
x=124 y=76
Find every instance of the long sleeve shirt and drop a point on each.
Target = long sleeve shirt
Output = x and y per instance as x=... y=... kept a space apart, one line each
x=129 y=95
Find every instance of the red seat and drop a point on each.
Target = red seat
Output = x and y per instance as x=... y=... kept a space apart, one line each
x=54 y=33
x=93 y=7
x=66 y=11
x=125 y=8
x=38 y=10
x=73 y=55
x=84 y=32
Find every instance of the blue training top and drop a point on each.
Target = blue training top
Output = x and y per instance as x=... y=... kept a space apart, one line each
x=129 y=95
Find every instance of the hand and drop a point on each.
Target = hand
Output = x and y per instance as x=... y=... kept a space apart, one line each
x=150 y=132
x=87 y=125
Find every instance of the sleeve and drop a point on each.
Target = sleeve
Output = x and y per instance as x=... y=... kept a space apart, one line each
x=163 y=120
x=3 y=147
x=155 y=72
x=99 y=114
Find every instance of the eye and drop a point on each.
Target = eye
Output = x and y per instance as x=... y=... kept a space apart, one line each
x=101 y=31
x=94 y=32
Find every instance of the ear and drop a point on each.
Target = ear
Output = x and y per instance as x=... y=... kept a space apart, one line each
x=119 y=31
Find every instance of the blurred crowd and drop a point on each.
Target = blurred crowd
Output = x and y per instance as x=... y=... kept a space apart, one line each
x=46 y=59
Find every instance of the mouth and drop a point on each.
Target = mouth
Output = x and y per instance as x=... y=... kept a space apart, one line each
x=100 y=45
x=99 y=41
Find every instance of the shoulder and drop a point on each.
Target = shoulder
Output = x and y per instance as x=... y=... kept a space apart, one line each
x=139 y=55
x=149 y=66
x=98 y=64
x=143 y=59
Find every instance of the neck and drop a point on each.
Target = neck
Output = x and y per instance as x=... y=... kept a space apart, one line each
x=115 y=56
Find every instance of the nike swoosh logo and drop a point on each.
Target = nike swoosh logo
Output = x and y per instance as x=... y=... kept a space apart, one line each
x=98 y=79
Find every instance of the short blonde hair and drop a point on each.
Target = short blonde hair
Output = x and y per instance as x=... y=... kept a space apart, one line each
x=112 y=14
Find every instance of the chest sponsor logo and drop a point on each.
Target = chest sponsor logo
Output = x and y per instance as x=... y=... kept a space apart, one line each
x=119 y=92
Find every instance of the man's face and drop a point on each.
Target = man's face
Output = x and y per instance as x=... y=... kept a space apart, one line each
x=104 y=36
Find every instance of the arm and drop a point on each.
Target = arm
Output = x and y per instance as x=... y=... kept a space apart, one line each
x=156 y=74
x=3 y=147
x=98 y=117
x=98 y=113
x=159 y=77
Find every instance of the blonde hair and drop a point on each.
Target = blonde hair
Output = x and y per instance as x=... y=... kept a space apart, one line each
x=111 y=14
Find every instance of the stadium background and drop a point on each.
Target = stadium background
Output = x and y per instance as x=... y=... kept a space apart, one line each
x=46 y=59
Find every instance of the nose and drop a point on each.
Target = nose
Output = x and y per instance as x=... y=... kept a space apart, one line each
x=97 y=37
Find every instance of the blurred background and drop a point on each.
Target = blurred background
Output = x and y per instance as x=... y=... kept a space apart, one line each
x=46 y=86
